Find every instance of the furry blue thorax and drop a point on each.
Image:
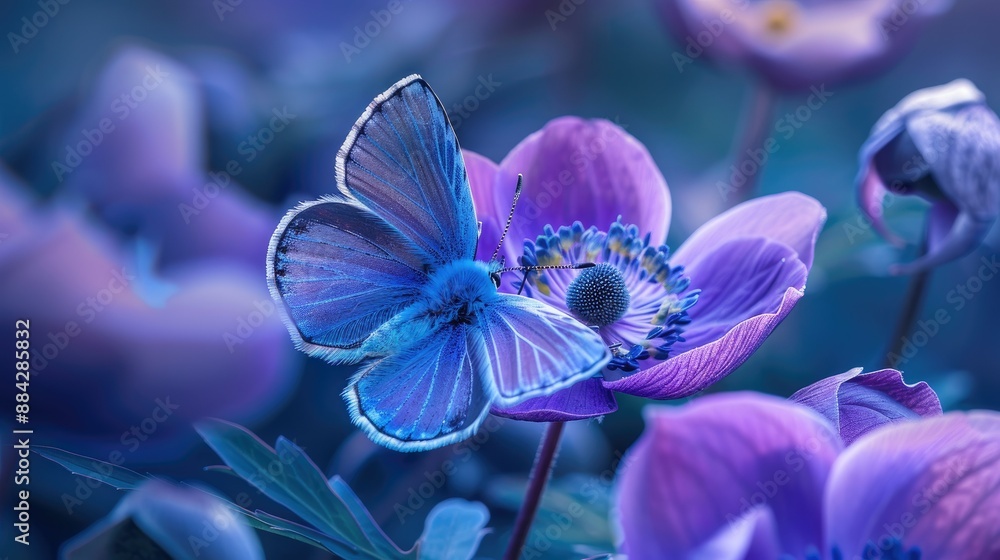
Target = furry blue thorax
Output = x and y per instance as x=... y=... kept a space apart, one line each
x=455 y=293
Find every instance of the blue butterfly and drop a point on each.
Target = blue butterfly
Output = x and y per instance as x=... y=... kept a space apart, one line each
x=384 y=274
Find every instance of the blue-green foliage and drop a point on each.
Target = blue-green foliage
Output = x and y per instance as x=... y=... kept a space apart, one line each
x=337 y=520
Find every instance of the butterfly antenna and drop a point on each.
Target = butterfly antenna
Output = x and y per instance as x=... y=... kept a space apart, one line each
x=546 y=267
x=510 y=217
x=527 y=269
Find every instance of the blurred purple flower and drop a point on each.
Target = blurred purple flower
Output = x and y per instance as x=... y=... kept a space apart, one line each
x=136 y=154
x=745 y=476
x=745 y=269
x=798 y=44
x=113 y=338
x=161 y=520
x=174 y=311
x=943 y=145
x=857 y=403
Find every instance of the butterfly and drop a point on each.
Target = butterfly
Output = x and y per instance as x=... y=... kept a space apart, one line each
x=383 y=274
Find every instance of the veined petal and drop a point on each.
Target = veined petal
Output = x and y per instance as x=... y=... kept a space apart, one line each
x=742 y=279
x=748 y=287
x=700 y=468
x=586 y=399
x=932 y=483
x=858 y=403
x=482 y=175
x=791 y=218
x=691 y=371
x=590 y=171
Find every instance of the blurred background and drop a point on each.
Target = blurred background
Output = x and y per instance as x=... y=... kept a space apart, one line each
x=147 y=151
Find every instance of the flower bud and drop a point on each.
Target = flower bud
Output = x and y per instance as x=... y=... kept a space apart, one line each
x=943 y=145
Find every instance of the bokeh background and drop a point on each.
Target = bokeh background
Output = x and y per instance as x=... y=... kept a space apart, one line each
x=140 y=260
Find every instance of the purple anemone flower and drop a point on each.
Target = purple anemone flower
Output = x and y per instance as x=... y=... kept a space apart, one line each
x=745 y=476
x=856 y=403
x=677 y=322
x=798 y=44
x=161 y=520
x=943 y=145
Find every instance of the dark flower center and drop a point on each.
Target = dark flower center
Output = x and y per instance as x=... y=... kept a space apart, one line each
x=598 y=295
x=635 y=299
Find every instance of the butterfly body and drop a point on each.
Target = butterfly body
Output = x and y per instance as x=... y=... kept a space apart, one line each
x=455 y=294
x=383 y=274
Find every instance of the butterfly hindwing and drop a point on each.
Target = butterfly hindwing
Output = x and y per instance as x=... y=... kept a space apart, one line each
x=340 y=272
x=434 y=393
x=535 y=350
x=402 y=160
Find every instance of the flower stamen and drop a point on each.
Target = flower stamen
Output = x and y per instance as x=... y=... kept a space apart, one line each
x=632 y=296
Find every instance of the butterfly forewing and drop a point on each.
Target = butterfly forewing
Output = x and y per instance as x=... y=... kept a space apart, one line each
x=402 y=160
x=340 y=272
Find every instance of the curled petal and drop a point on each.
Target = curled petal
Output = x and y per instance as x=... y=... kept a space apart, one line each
x=966 y=233
x=699 y=471
x=871 y=194
x=586 y=399
x=791 y=218
x=891 y=128
x=590 y=171
x=748 y=287
x=962 y=148
x=943 y=144
x=953 y=94
x=752 y=537
x=858 y=403
x=933 y=483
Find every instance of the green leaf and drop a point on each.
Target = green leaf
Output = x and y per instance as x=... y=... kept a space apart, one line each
x=453 y=530
x=286 y=528
x=125 y=479
x=273 y=524
x=101 y=471
x=286 y=475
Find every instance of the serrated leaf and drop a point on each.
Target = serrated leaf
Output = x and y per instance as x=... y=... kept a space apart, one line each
x=286 y=475
x=453 y=530
x=101 y=471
